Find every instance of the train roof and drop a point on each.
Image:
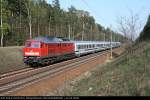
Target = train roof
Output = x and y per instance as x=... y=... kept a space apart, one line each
x=49 y=39
x=93 y=42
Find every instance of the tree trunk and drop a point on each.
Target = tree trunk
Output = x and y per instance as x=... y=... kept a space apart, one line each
x=69 y=31
x=83 y=32
x=2 y=35
x=38 y=27
x=29 y=19
x=49 y=29
x=30 y=27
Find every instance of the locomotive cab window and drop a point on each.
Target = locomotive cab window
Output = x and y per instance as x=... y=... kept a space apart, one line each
x=33 y=44
x=27 y=44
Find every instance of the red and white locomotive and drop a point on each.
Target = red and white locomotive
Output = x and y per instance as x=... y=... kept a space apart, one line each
x=45 y=50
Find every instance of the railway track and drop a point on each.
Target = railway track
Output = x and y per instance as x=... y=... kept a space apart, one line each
x=15 y=80
x=14 y=72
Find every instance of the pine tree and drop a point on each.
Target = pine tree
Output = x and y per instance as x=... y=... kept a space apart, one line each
x=145 y=34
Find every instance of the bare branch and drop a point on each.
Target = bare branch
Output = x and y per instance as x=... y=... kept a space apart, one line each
x=130 y=26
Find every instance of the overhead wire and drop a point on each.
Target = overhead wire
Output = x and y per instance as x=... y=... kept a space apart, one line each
x=92 y=9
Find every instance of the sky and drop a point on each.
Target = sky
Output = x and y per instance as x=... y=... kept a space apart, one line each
x=106 y=12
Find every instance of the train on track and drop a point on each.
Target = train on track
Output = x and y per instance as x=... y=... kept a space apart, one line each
x=46 y=50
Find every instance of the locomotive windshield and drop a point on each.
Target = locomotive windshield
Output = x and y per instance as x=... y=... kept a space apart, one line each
x=32 y=44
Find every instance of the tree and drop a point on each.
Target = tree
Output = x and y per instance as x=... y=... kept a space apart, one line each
x=23 y=19
x=29 y=5
x=130 y=26
x=1 y=25
x=4 y=20
x=41 y=14
x=72 y=9
x=56 y=4
x=145 y=34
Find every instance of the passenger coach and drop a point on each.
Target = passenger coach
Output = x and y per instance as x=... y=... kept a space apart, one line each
x=85 y=47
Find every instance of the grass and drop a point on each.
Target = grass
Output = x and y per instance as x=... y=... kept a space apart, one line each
x=128 y=75
x=11 y=58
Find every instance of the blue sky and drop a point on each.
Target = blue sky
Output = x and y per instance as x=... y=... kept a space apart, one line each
x=106 y=12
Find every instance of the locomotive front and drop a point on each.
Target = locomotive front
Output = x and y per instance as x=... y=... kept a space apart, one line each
x=32 y=52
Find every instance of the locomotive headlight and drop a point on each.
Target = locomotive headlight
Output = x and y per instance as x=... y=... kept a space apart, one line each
x=32 y=53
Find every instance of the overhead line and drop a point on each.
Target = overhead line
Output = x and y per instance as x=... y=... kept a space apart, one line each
x=91 y=9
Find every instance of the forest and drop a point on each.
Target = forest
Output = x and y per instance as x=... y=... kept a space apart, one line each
x=25 y=19
x=145 y=34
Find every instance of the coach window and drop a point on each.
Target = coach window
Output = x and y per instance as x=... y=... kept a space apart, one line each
x=78 y=46
x=84 y=46
x=93 y=45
